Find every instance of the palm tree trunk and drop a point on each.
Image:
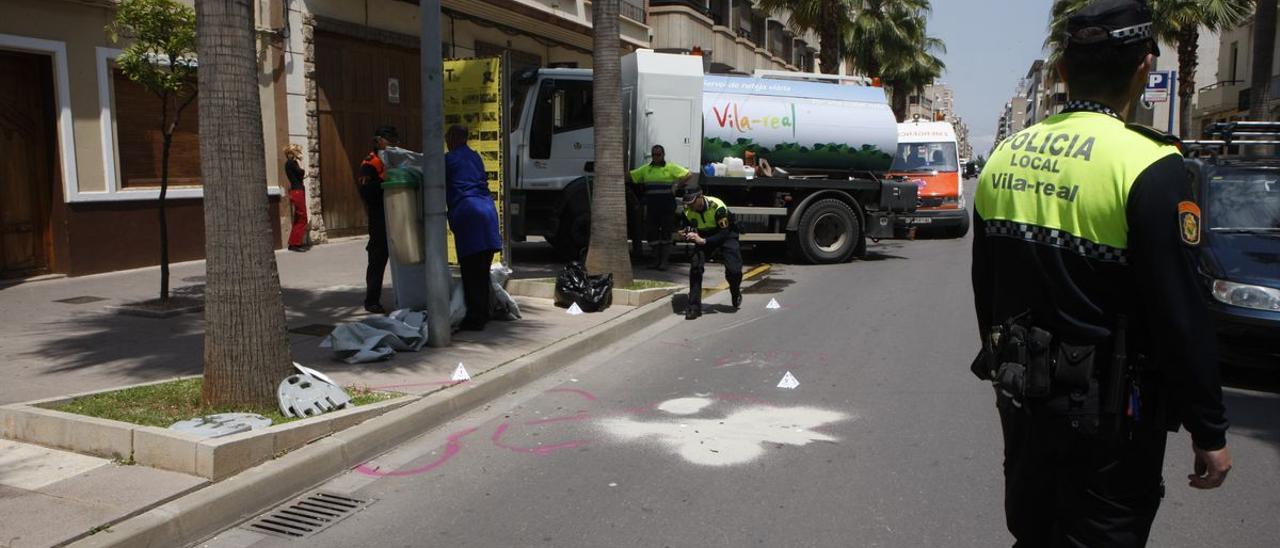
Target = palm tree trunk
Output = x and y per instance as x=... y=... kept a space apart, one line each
x=1187 y=61
x=608 y=248
x=246 y=352
x=829 y=37
x=899 y=103
x=1264 y=43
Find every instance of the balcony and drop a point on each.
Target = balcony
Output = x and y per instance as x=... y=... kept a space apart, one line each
x=634 y=10
x=1221 y=97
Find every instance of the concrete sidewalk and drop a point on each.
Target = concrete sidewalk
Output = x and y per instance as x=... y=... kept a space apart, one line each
x=60 y=337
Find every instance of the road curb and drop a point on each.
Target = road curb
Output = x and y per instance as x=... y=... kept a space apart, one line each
x=207 y=511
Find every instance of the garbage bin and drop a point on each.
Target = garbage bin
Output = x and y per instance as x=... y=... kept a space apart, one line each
x=404 y=214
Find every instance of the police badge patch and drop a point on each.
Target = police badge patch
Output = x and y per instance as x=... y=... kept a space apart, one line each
x=724 y=223
x=1189 y=222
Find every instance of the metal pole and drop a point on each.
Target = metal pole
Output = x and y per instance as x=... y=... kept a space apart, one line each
x=1173 y=103
x=504 y=113
x=439 y=328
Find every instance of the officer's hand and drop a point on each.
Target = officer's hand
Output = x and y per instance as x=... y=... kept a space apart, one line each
x=1211 y=468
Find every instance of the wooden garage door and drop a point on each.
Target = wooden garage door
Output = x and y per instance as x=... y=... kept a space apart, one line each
x=27 y=163
x=352 y=78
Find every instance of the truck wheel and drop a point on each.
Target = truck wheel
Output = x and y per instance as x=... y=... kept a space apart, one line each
x=828 y=232
x=574 y=235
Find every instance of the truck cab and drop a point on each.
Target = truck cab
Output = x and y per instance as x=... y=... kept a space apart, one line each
x=928 y=156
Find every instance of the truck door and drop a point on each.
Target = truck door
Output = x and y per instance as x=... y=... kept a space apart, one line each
x=561 y=142
x=669 y=122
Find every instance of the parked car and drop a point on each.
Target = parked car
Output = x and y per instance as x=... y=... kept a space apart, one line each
x=1238 y=258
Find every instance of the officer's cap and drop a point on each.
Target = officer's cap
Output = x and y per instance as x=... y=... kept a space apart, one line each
x=1111 y=23
x=690 y=195
x=387 y=132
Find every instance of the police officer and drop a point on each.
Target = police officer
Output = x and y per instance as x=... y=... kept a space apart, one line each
x=369 y=183
x=656 y=182
x=709 y=224
x=1092 y=325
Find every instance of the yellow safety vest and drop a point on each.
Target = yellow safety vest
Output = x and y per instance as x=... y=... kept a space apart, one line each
x=706 y=221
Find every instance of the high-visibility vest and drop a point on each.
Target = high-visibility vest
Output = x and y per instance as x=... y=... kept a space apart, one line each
x=706 y=222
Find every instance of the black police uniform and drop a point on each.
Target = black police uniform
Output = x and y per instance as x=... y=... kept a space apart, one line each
x=716 y=225
x=371 y=170
x=1081 y=227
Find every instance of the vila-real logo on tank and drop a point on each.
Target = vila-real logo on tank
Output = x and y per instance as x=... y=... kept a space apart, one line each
x=731 y=116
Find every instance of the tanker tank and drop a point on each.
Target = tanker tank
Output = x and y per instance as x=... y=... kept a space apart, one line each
x=797 y=125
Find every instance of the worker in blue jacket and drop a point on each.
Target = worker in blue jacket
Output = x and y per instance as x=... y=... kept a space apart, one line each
x=474 y=221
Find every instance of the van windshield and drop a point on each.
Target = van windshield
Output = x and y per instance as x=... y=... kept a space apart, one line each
x=1244 y=200
x=926 y=157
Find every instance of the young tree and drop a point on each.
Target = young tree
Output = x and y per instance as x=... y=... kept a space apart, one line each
x=160 y=56
x=608 y=250
x=246 y=349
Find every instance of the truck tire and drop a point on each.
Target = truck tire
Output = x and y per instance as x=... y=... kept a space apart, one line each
x=828 y=232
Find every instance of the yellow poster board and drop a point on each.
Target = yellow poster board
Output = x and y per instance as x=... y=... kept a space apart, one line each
x=473 y=98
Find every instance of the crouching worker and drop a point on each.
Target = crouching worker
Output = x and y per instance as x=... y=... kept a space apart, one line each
x=709 y=224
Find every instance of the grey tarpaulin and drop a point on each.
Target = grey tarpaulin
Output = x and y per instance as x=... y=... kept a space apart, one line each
x=378 y=337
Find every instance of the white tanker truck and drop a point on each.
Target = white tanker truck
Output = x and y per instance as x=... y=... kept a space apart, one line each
x=827 y=144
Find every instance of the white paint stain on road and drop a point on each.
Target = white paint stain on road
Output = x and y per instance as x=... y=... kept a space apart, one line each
x=737 y=438
x=684 y=406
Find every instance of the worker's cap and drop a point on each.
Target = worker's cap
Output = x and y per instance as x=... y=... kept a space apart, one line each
x=387 y=132
x=690 y=195
x=1111 y=23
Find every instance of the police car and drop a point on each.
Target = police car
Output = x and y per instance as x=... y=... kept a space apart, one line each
x=1238 y=228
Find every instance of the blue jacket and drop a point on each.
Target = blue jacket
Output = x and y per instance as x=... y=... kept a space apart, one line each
x=472 y=214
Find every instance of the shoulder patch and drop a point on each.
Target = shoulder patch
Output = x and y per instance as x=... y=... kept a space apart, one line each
x=1154 y=134
x=1189 y=223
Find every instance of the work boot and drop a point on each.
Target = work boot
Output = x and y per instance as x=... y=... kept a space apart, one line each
x=692 y=312
x=735 y=295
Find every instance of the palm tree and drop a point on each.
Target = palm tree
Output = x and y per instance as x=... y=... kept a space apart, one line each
x=913 y=67
x=246 y=350
x=1264 y=43
x=1176 y=21
x=608 y=248
x=830 y=19
x=880 y=30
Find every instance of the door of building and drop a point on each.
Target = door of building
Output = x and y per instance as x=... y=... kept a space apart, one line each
x=27 y=163
x=361 y=86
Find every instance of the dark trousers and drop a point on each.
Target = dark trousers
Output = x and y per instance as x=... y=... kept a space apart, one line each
x=659 y=217
x=377 y=251
x=730 y=253
x=1066 y=489
x=476 y=287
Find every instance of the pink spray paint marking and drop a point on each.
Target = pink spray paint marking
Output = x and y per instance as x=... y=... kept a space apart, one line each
x=579 y=417
x=589 y=396
x=541 y=450
x=450 y=449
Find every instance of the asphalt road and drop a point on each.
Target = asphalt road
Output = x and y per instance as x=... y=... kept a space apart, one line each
x=680 y=436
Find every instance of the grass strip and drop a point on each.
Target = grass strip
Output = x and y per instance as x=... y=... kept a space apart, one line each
x=166 y=403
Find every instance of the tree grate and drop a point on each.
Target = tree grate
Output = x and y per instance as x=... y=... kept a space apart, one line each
x=85 y=299
x=307 y=515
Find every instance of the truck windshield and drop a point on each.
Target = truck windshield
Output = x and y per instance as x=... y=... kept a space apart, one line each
x=926 y=157
x=1244 y=200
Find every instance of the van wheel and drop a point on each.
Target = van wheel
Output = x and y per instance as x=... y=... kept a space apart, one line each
x=828 y=232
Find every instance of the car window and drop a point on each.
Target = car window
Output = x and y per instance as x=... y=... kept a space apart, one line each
x=1244 y=199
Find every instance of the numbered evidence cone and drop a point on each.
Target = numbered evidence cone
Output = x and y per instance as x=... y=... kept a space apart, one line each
x=788 y=381
x=460 y=374
x=403 y=205
x=773 y=304
x=574 y=309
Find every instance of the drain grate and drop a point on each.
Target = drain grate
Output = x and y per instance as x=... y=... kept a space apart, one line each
x=307 y=515
x=86 y=299
x=314 y=330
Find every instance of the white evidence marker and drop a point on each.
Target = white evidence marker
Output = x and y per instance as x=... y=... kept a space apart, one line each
x=788 y=381
x=460 y=374
x=773 y=304
x=575 y=310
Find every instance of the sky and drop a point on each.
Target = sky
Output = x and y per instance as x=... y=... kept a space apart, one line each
x=990 y=46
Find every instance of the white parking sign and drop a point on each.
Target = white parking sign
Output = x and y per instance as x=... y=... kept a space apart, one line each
x=1158 y=84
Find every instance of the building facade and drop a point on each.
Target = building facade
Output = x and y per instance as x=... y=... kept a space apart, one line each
x=936 y=102
x=734 y=35
x=1227 y=97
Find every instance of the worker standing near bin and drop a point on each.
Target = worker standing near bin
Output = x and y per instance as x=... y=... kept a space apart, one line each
x=1092 y=324
x=474 y=221
x=657 y=182
x=369 y=181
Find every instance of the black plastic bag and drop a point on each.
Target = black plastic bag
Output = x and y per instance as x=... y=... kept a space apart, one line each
x=592 y=293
